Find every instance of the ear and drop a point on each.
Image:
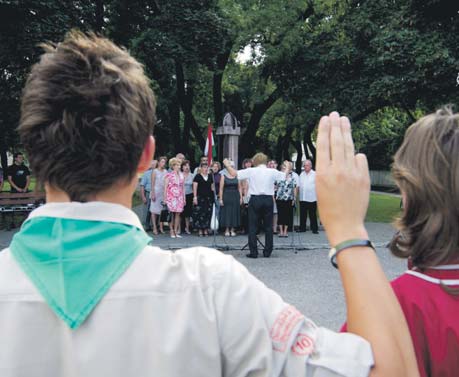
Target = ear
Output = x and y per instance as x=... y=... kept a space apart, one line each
x=147 y=155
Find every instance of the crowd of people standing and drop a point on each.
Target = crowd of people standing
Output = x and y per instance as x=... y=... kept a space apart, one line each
x=209 y=198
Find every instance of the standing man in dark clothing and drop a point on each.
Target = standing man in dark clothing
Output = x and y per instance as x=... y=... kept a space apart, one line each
x=261 y=191
x=19 y=174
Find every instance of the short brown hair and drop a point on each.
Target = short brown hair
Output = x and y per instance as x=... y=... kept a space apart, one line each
x=246 y=160
x=426 y=169
x=87 y=112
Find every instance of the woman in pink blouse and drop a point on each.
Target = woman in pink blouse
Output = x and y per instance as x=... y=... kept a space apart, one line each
x=174 y=195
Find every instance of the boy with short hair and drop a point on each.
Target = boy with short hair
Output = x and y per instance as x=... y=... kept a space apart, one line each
x=82 y=292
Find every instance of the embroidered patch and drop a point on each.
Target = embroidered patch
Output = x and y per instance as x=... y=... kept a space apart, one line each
x=303 y=345
x=282 y=328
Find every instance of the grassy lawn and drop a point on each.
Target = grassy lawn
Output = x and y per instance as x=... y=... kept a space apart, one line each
x=6 y=185
x=136 y=199
x=383 y=208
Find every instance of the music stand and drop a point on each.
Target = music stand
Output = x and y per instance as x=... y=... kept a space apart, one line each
x=214 y=230
x=258 y=243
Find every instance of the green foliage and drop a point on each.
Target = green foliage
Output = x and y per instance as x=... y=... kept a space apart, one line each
x=381 y=134
x=383 y=63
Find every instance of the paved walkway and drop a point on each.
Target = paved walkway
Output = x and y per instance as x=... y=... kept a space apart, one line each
x=298 y=269
x=397 y=195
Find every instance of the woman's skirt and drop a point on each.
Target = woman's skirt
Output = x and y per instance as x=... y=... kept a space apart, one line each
x=284 y=212
x=202 y=213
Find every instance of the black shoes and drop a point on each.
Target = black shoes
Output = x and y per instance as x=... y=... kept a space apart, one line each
x=266 y=255
x=253 y=256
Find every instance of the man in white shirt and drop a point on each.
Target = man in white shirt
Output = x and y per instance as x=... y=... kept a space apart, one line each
x=308 y=198
x=261 y=191
x=84 y=294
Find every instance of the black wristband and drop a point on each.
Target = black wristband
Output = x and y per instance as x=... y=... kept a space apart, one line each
x=346 y=245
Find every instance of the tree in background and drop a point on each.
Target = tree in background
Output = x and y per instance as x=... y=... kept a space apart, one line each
x=390 y=61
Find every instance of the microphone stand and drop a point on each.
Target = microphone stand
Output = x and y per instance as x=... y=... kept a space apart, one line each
x=216 y=204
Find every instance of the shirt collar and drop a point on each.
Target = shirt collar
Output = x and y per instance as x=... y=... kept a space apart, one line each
x=92 y=211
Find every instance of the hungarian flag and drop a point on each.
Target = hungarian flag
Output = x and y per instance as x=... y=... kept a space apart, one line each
x=209 y=149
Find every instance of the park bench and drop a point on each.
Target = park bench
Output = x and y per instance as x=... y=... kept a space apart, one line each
x=19 y=203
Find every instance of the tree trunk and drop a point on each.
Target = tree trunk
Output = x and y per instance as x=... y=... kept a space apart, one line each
x=222 y=61
x=99 y=16
x=309 y=144
x=186 y=103
x=4 y=162
x=174 y=119
x=286 y=143
x=279 y=150
x=247 y=144
x=299 y=156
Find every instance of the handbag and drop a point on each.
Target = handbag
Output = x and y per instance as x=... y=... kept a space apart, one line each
x=214 y=219
x=165 y=215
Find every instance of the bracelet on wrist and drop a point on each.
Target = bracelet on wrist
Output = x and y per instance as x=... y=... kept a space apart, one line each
x=356 y=242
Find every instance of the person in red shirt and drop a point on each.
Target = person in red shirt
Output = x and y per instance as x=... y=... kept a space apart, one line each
x=426 y=169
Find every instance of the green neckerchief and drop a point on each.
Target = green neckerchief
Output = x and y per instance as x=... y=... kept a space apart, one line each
x=73 y=263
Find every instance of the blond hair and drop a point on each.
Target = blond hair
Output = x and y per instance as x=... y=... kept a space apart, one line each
x=259 y=159
x=174 y=161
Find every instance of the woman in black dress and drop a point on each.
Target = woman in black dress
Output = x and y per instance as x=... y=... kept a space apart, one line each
x=230 y=204
x=203 y=199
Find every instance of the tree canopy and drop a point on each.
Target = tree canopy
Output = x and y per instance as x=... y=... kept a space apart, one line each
x=383 y=63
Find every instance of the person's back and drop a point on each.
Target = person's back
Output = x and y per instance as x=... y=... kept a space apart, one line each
x=82 y=292
x=142 y=325
x=431 y=308
x=426 y=169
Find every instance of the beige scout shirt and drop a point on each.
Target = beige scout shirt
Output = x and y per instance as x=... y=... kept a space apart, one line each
x=193 y=313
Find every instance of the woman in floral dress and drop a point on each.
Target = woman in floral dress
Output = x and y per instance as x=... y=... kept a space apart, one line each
x=174 y=195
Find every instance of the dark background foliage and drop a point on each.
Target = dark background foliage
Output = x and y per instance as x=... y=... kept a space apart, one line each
x=384 y=63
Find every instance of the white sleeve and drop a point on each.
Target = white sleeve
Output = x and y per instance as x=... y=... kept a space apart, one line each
x=279 y=175
x=262 y=335
x=296 y=177
x=243 y=174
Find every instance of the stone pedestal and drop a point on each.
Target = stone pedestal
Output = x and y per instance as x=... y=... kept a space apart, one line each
x=230 y=133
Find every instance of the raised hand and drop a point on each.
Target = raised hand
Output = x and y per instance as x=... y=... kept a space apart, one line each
x=342 y=181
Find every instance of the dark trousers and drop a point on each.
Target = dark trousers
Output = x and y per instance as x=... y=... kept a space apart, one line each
x=308 y=209
x=261 y=206
x=148 y=214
